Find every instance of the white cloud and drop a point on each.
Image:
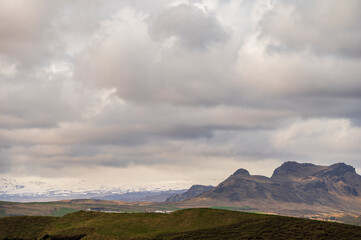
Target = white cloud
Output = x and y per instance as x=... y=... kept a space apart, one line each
x=320 y=139
x=323 y=26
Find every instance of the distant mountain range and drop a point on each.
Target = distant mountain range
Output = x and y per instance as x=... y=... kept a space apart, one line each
x=293 y=187
x=35 y=191
x=7 y=185
x=143 y=196
x=301 y=189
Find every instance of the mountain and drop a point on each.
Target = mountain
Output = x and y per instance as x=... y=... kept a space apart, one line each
x=144 y=196
x=194 y=191
x=32 y=190
x=293 y=186
x=7 y=185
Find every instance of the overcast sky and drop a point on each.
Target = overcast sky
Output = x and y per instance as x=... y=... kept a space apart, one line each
x=190 y=90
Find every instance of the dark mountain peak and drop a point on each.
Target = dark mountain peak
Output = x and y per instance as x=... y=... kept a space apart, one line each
x=288 y=169
x=342 y=167
x=339 y=169
x=241 y=172
x=302 y=183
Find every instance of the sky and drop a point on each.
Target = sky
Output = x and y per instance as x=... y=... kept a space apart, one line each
x=183 y=91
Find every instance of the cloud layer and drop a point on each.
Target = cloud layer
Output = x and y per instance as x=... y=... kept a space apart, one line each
x=178 y=85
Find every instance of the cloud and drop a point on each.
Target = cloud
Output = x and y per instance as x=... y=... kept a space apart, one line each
x=41 y=99
x=168 y=73
x=298 y=75
x=325 y=140
x=324 y=27
x=25 y=33
x=178 y=84
x=190 y=25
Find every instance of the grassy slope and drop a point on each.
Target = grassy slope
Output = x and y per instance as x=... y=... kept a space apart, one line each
x=184 y=224
x=27 y=227
x=61 y=208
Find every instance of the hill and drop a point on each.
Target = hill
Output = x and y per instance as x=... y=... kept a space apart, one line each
x=194 y=191
x=293 y=189
x=183 y=224
x=142 y=196
x=60 y=208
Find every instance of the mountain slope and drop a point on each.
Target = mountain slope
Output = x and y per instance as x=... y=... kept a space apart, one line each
x=292 y=185
x=143 y=196
x=194 y=191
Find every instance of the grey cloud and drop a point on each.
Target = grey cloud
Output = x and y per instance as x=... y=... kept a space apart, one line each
x=35 y=100
x=323 y=26
x=6 y=163
x=304 y=83
x=39 y=114
x=26 y=36
x=43 y=158
x=34 y=32
x=324 y=139
x=155 y=84
x=194 y=28
x=168 y=74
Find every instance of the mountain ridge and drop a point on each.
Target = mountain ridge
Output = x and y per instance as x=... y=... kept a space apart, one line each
x=293 y=184
x=193 y=191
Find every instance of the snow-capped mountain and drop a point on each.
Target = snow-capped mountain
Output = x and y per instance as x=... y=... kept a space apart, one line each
x=24 y=190
x=9 y=185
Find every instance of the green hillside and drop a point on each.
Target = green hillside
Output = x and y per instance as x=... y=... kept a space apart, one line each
x=60 y=208
x=184 y=224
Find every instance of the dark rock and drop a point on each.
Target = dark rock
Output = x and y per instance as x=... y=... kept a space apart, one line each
x=241 y=171
x=339 y=169
x=293 y=169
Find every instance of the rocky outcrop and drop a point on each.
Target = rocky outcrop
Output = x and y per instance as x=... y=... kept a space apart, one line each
x=292 y=182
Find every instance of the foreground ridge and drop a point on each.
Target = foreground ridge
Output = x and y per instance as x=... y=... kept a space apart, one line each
x=197 y=223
